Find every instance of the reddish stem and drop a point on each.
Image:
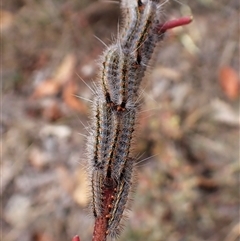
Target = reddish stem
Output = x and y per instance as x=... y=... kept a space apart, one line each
x=175 y=23
x=100 y=228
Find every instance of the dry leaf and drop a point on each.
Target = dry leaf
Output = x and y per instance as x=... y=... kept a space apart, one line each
x=66 y=69
x=225 y=113
x=62 y=75
x=234 y=233
x=6 y=19
x=81 y=190
x=70 y=99
x=46 y=88
x=59 y=131
x=229 y=82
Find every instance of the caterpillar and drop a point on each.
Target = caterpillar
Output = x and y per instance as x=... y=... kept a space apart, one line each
x=115 y=107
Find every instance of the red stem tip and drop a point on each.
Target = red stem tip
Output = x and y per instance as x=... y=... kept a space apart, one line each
x=76 y=238
x=175 y=23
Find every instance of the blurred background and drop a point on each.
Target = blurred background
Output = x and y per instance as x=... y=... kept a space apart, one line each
x=188 y=138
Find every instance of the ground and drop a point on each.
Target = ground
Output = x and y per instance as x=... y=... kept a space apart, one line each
x=187 y=141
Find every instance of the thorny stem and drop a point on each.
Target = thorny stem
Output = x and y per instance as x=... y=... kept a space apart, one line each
x=100 y=228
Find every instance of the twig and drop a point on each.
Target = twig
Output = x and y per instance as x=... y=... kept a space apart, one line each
x=175 y=23
x=100 y=229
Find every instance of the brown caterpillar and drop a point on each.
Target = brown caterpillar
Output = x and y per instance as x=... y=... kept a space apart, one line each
x=115 y=110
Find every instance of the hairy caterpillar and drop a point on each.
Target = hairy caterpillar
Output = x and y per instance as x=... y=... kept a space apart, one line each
x=115 y=110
